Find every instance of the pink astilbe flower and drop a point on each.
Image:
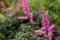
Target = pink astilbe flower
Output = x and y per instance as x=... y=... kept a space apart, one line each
x=4 y=9
x=51 y=27
x=23 y=17
x=31 y=17
x=50 y=34
x=40 y=31
x=24 y=5
x=46 y=29
x=26 y=9
x=23 y=2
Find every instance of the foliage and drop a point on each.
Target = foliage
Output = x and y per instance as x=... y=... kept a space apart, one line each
x=21 y=30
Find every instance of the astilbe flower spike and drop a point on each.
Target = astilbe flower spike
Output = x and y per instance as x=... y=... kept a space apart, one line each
x=24 y=5
x=4 y=9
x=46 y=29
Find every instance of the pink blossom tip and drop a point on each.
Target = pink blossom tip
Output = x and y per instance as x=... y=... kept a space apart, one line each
x=50 y=34
x=23 y=17
x=40 y=32
x=51 y=27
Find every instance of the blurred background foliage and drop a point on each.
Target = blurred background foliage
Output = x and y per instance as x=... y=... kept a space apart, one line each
x=21 y=30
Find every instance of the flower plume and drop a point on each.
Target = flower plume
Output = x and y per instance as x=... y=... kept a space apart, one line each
x=46 y=29
x=4 y=9
x=29 y=15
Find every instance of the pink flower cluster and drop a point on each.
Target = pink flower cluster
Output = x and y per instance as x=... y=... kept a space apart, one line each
x=29 y=15
x=4 y=9
x=46 y=29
